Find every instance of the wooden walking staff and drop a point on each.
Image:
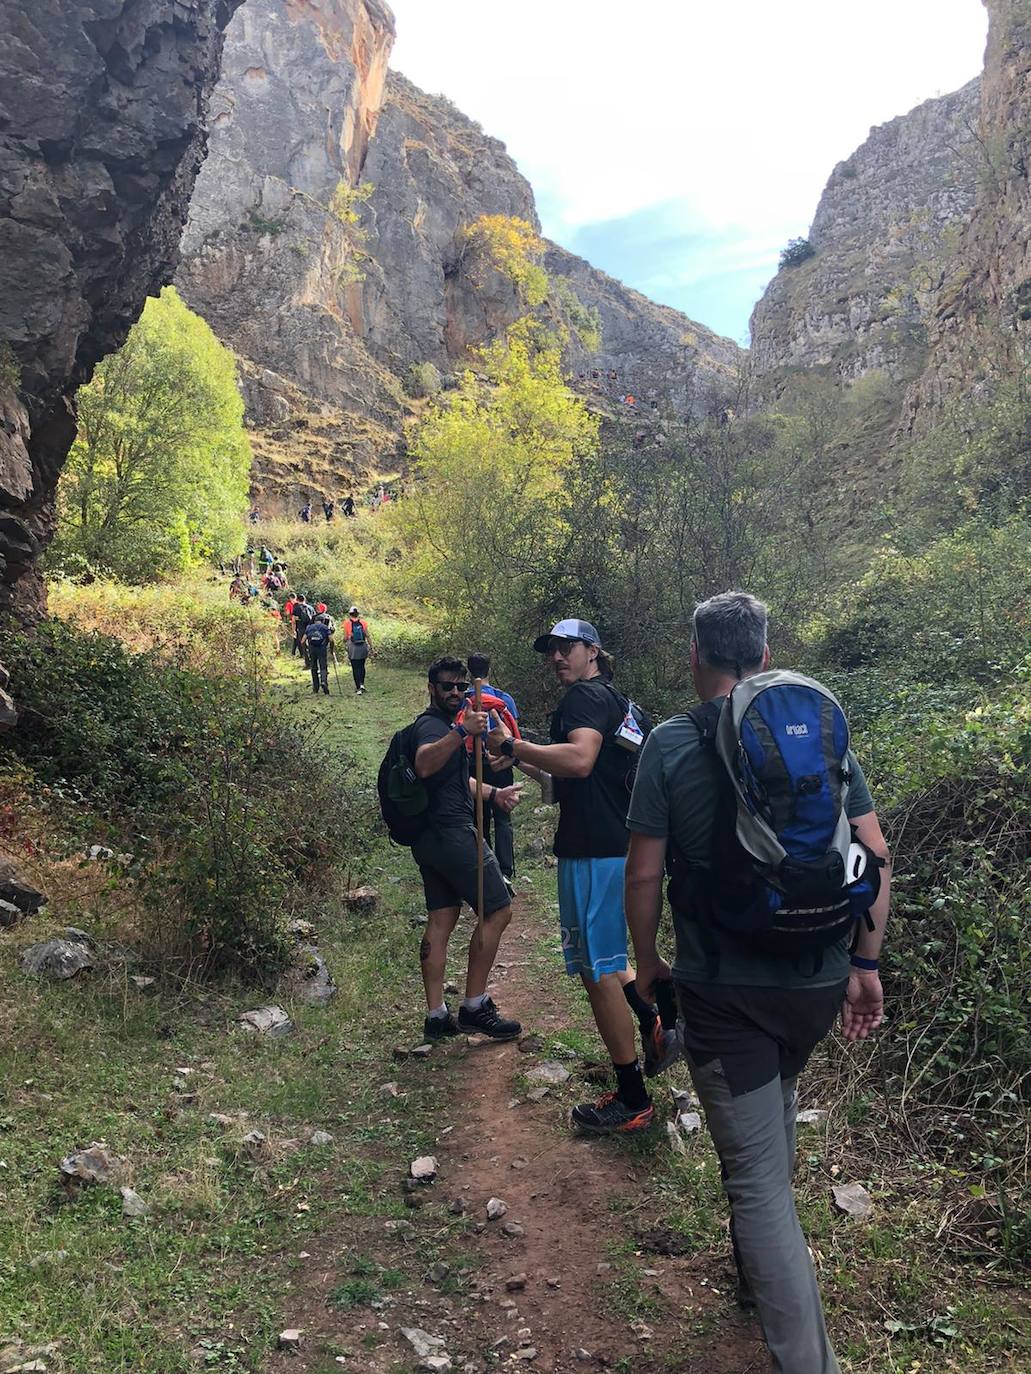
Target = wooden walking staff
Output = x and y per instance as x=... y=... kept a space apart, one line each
x=478 y=756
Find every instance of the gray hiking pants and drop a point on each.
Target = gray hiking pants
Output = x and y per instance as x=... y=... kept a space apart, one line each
x=753 y=1130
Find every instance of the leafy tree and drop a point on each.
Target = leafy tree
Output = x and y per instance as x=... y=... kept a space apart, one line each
x=491 y=462
x=797 y=251
x=512 y=246
x=158 y=475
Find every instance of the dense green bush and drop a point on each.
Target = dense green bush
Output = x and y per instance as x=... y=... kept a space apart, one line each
x=797 y=251
x=197 y=773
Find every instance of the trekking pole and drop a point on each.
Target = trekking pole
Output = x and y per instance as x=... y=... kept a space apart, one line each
x=478 y=755
x=336 y=673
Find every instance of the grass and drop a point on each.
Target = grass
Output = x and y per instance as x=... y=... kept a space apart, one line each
x=202 y=1281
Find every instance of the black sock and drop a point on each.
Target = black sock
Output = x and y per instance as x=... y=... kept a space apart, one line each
x=630 y=1085
x=644 y=1011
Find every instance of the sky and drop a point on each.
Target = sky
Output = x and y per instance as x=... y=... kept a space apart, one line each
x=679 y=144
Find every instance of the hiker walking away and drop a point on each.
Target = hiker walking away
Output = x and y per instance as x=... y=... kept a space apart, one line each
x=318 y=637
x=305 y=513
x=497 y=822
x=348 y=506
x=266 y=558
x=237 y=589
x=327 y=509
x=357 y=645
x=761 y=971
x=446 y=854
x=303 y=614
x=595 y=734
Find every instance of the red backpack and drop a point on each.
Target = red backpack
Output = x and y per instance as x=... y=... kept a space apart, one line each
x=490 y=703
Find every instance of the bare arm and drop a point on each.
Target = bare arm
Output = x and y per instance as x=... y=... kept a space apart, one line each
x=575 y=759
x=863 y=1008
x=431 y=758
x=642 y=898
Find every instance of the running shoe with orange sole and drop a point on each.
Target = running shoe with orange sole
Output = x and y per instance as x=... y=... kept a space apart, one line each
x=611 y=1116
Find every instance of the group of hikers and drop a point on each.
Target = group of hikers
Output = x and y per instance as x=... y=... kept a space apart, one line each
x=329 y=509
x=313 y=640
x=754 y=806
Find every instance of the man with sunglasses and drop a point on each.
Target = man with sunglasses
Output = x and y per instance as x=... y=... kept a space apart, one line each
x=446 y=853
x=593 y=780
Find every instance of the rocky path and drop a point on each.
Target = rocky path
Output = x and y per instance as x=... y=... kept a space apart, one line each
x=553 y=1284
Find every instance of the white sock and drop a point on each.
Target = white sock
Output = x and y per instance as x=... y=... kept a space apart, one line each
x=438 y=1013
x=474 y=1003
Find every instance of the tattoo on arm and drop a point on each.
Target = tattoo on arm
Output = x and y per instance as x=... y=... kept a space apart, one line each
x=424 y=950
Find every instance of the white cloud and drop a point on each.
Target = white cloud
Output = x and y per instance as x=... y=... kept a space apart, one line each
x=736 y=113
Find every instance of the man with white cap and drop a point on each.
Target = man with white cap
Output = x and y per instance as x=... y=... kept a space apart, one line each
x=593 y=758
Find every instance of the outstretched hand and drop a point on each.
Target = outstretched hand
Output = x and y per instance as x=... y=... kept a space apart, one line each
x=508 y=798
x=863 y=1008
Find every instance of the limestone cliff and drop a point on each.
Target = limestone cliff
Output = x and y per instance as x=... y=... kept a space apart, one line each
x=329 y=312
x=102 y=106
x=884 y=237
x=982 y=317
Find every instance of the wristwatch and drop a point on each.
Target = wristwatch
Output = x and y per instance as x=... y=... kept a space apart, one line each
x=507 y=747
x=461 y=731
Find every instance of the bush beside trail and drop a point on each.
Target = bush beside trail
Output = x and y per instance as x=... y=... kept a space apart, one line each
x=186 y=763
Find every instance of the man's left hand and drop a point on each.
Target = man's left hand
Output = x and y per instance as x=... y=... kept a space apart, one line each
x=508 y=798
x=863 y=1008
x=651 y=969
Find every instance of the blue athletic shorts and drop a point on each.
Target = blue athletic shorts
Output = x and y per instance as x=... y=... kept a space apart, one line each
x=590 y=905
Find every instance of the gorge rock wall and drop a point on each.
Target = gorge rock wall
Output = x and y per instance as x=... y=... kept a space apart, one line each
x=329 y=314
x=102 y=110
x=885 y=238
x=980 y=326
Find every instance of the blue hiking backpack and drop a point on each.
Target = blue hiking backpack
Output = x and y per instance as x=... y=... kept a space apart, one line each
x=787 y=872
x=357 y=632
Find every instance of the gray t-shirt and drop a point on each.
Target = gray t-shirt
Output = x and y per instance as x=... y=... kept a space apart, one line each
x=675 y=793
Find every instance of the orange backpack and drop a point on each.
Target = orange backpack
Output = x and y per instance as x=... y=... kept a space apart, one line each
x=491 y=703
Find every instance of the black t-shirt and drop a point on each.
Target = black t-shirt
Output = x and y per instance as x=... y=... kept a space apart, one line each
x=451 y=801
x=592 y=810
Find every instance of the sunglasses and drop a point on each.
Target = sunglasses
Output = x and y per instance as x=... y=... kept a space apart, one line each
x=564 y=647
x=453 y=686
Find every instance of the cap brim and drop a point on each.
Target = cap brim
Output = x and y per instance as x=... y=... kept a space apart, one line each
x=540 y=644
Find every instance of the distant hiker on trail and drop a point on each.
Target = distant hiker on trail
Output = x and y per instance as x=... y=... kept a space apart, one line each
x=596 y=733
x=446 y=853
x=254 y=515
x=305 y=512
x=322 y=609
x=495 y=779
x=237 y=589
x=266 y=557
x=303 y=614
x=318 y=636
x=761 y=971
x=357 y=645
x=348 y=506
x=327 y=510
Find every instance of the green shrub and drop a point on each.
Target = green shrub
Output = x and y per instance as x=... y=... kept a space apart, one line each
x=796 y=252
x=423 y=380
x=196 y=770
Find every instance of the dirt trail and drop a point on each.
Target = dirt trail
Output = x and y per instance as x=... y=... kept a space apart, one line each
x=562 y=1199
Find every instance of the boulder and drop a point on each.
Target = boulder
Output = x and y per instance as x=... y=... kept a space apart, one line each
x=362 y=901
x=132 y=1204
x=271 y=1021
x=549 y=1073
x=15 y=890
x=310 y=979
x=56 y=959
x=97 y=1164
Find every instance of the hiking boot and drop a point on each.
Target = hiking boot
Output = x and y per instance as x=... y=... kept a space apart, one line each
x=325 y=691
x=439 y=1027
x=611 y=1116
x=315 y=690
x=487 y=1020
x=661 y=1049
